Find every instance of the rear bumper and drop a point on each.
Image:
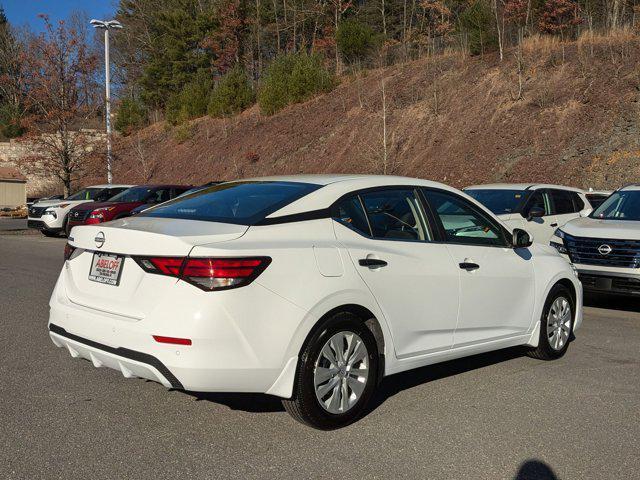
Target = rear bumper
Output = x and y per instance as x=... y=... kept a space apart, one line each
x=130 y=362
x=235 y=348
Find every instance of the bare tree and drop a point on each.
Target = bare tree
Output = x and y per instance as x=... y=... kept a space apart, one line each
x=61 y=74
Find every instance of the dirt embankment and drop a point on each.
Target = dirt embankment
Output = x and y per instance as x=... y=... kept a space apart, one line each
x=570 y=117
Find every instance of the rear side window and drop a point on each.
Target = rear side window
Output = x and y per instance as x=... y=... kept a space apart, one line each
x=578 y=204
x=243 y=203
x=562 y=202
x=395 y=214
x=350 y=213
x=462 y=222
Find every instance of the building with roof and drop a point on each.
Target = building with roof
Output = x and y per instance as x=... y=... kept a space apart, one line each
x=12 y=188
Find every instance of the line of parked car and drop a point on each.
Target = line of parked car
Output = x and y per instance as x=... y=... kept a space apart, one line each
x=313 y=288
x=97 y=204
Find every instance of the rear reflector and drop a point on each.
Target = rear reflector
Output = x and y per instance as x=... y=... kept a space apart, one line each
x=172 y=340
x=207 y=273
x=68 y=251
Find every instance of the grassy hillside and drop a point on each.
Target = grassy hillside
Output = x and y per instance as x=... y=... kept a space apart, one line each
x=562 y=113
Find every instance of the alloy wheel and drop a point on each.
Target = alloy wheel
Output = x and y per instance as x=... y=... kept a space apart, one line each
x=559 y=323
x=341 y=372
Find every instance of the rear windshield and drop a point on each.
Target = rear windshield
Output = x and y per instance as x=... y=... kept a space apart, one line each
x=85 y=194
x=499 y=202
x=243 y=203
x=623 y=205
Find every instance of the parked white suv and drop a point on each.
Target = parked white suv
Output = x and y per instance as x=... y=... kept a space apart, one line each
x=605 y=247
x=50 y=216
x=537 y=208
x=309 y=288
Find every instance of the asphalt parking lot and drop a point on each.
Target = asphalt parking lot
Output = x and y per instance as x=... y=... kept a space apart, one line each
x=496 y=416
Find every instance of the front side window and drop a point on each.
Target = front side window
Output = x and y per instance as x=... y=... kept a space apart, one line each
x=241 y=203
x=562 y=202
x=623 y=205
x=499 y=201
x=134 y=194
x=462 y=223
x=395 y=214
x=539 y=199
x=106 y=194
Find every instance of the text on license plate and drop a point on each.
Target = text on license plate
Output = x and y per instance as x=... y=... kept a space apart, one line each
x=106 y=268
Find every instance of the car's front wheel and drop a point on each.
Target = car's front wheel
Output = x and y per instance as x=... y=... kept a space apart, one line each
x=337 y=374
x=556 y=325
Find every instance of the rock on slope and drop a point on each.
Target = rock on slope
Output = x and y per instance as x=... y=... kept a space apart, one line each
x=451 y=118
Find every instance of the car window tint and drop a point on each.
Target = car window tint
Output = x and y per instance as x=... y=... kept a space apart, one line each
x=462 y=222
x=562 y=202
x=395 y=214
x=159 y=196
x=350 y=213
x=578 y=204
x=242 y=203
x=538 y=199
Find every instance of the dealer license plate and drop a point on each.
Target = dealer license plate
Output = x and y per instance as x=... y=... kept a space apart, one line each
x=106 y=268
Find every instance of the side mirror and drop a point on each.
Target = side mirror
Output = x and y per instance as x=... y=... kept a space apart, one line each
x=521 y=239
x=535 y=212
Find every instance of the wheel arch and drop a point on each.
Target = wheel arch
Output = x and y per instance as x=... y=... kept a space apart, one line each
x=367 y=317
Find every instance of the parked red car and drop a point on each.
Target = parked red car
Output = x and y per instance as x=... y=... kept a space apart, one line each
x=122 y=204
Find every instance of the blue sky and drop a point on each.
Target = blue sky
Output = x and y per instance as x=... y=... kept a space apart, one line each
x=25 y=12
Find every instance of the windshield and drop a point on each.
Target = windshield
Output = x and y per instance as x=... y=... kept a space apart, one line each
x=243 y=203
x=85 y=194
x=624 y=205
x=499 y=202
x=134 y=194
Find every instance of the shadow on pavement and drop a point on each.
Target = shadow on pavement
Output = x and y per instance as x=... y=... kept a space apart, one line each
x=535 y=470
x=613 y=302
x=246 y=402
x=412 y=378
x=260 y=403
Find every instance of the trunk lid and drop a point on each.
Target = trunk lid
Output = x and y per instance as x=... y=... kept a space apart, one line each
x=138 y=293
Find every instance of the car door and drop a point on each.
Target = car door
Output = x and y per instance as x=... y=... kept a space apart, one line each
x=541 y=228
x=564 y=206
x=413 y=279
x=496 y=282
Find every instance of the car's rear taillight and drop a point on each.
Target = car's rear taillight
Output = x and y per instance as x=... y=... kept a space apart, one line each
x=68 y=251
x=207 y=273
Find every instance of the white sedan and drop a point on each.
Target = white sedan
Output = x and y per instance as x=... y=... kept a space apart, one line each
x=310 y=288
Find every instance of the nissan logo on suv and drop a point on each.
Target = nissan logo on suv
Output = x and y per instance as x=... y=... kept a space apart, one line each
x=604 y=249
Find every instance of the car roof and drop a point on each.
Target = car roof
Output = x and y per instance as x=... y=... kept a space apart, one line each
x=335 y=186
x=521 y=186
x=106 y=185
x=631 y=186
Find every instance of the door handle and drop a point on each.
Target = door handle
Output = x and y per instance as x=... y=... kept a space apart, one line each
x=553 y=225
x=372 y=262
x=469 y=266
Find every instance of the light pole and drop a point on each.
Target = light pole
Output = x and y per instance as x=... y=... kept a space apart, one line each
x=107 y=25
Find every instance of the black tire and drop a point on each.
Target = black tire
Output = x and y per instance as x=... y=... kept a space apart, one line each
x=303 y=405
x=544 y=350
x=49 y=233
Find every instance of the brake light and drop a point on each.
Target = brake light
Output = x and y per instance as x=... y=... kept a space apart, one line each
x=207 y=273
x=68 y=251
